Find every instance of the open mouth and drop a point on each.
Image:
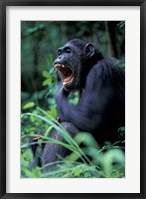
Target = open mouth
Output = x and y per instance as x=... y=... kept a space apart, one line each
x=66 y=73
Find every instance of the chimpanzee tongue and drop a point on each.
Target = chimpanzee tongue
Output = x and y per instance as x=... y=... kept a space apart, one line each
x=67 y=79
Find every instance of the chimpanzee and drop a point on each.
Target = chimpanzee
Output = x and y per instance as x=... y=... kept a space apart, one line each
x=101 y=107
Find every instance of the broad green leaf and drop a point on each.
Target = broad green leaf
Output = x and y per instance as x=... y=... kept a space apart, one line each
x=28 y=105
x=46 y=74
x=76 y=171
x=53 y=111
x=46 y=82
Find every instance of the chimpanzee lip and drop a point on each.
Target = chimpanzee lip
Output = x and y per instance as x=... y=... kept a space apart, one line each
x=66 y=73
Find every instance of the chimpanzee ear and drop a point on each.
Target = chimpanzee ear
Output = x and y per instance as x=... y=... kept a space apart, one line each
x=89 y=50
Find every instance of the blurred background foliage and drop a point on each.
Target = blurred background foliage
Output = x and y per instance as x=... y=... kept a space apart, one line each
x=39 y=42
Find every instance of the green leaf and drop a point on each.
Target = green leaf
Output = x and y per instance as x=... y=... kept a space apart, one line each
x=53 y=111
x=37 y=172
x=111 y=156
x=87 y=139
x=87 y=174
x=76 y=171
x=28 y=105
x=48 y=131
x=46 y=74
x=46 y=82
x=74 y=101
x=121 y=129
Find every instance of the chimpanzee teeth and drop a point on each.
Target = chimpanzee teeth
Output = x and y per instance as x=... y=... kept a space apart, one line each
x=60 y=65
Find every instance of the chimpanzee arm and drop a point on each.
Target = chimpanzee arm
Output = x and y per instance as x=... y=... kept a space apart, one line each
x=93 y=106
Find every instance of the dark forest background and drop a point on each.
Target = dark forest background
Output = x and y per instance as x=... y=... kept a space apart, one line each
x=39 y=42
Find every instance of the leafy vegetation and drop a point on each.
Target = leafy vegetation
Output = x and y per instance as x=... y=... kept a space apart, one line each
x=39 y=80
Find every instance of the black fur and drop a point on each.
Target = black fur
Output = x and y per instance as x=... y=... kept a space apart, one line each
x=101 y=108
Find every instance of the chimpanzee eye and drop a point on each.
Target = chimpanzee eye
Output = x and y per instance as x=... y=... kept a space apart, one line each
x=59 y=52
x=68 y=50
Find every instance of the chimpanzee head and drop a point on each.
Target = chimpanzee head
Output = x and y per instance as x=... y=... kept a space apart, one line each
x=74 y=61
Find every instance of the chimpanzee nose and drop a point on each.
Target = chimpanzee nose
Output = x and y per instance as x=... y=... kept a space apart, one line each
x=58 y=60
x=60 y=57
